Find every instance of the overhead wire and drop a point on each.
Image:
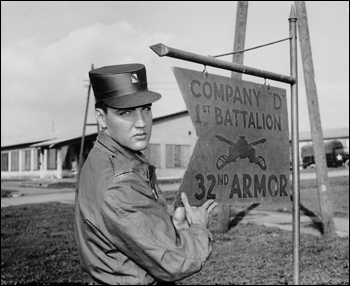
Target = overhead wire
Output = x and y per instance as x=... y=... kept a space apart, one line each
x=257 y=47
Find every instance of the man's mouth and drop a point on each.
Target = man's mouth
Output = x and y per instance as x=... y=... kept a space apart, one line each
x=140 y=136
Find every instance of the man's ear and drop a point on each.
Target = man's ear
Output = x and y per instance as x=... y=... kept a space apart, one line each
x=100 y=117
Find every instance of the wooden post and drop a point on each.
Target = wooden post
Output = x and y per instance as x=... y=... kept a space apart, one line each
x=81 y=155
x=241 y=25
x=324 y=192
x=223 y=211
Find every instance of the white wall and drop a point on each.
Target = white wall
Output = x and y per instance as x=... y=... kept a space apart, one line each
x=178 y=130
x=20 y=174
x=41 y=173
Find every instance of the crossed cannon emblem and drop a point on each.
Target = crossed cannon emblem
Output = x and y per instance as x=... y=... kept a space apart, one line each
x=241 y=149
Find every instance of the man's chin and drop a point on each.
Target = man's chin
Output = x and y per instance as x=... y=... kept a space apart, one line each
x=140 y=146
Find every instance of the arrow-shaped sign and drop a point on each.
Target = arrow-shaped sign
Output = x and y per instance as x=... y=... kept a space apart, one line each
x=242 y=151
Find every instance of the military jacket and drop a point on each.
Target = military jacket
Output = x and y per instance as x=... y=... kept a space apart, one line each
x=123 y=225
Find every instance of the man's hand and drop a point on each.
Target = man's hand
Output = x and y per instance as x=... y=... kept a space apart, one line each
x=179 y=219
x=185 y=216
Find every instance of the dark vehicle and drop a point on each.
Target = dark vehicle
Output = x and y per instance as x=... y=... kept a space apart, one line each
x=335 y=154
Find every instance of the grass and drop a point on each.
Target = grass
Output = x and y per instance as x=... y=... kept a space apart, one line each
x=38 y=247
x=309 y=202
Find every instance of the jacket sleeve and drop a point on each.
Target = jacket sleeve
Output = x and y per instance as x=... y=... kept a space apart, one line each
x=142 y=229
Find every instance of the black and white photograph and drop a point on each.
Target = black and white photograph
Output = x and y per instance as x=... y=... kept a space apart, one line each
x=175 y=142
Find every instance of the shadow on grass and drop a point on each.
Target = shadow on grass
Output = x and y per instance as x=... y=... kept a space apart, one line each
x=240 y=216
x=317 y=222
x=315 y=219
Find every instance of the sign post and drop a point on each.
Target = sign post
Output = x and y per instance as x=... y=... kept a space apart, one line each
x=295 y=146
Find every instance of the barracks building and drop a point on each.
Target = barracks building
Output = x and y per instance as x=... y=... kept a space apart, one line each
x=171 y=145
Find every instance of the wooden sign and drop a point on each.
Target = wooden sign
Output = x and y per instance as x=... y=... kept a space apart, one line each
x=242 y=151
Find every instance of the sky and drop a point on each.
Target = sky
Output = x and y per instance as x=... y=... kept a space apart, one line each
x=48 y=48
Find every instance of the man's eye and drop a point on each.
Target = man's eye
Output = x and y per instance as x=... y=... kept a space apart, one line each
x=147 y=108
x=125 y=113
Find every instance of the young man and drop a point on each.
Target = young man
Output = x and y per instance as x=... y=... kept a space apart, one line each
x=124 y=232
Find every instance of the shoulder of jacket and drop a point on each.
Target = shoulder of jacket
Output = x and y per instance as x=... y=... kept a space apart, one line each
x=117 y=161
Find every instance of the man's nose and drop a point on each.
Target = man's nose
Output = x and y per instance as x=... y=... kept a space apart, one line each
x=140 y=120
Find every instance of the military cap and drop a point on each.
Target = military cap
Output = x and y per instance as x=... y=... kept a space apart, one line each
x=122 y=86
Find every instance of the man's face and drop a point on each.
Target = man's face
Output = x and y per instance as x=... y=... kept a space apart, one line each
x=130 y=127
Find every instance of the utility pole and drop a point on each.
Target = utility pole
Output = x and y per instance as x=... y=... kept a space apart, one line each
x=223 y=211
x=84 y=125
x=324 y=191
x=241 y=26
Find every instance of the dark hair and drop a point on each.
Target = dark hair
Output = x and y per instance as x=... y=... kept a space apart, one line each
x=101 y=105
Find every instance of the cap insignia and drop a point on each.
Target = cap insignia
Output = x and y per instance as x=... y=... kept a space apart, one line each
x=134 y=78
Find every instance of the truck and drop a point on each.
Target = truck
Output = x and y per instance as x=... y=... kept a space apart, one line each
x=335 y=155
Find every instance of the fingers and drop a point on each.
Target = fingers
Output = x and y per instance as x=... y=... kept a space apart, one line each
x=211 y=207
x=184 y=200
x=207 y=204
x=201 y=214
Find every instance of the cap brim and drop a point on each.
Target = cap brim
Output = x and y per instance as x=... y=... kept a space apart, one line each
x=133 y=100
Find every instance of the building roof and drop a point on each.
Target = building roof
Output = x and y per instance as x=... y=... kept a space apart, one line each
x=24 y=141
x=339 y=133
x=64 y=138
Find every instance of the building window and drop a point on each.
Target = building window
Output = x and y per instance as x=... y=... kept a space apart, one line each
x=15 y=161
x=5 y=162
x=177 y=156
x=153 y=154
x=52 y=159
x=36 y=159
x=26 y=160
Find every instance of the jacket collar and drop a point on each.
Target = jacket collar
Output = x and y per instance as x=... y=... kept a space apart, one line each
x=105 y=140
